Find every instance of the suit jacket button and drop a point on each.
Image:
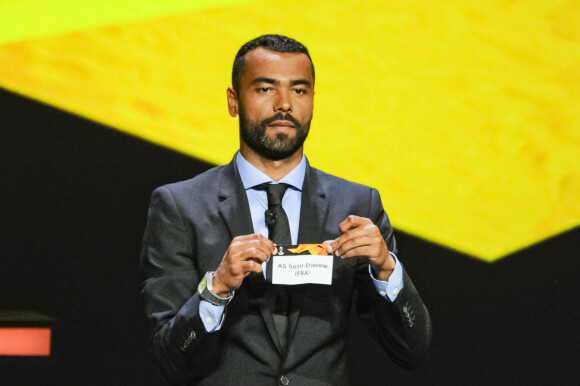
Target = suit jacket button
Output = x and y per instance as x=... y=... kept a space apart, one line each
x=284 y=380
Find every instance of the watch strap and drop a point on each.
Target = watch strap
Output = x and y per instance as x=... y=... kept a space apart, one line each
x=205 y=291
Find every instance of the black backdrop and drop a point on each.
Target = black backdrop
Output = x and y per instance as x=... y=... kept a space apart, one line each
x=74 y=197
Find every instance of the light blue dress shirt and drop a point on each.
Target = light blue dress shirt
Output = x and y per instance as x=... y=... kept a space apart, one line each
x=258 y=199
x=212 y=315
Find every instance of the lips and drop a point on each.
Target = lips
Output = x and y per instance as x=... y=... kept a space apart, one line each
x=282 y=120
x=281 y=123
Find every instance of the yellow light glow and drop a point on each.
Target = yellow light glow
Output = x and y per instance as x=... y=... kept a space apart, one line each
x=463 y=114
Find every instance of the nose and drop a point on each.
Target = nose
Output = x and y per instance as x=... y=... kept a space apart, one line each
x=283 y=102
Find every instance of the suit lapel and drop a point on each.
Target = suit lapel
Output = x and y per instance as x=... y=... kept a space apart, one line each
x=314 y=209
x=235 y=211
x=233 y=203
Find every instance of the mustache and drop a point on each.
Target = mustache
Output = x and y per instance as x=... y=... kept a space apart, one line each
x=282 y=117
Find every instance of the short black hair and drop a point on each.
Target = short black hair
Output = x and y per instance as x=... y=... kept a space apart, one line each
x=276 y=43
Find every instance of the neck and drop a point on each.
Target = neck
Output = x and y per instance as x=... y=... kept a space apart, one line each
x=276 y=170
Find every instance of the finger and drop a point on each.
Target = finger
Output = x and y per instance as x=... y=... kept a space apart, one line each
x=360 y=251
x=368 y=230
x=241 y=269
x=353 y=221
x=329 y=245
x=248 y=266
x=251 y=253
x=257 y=246
x=239 y=242
x=253 y=236
x=349 y=236
x=357 y=243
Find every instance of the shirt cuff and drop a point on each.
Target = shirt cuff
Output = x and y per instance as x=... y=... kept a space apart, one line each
x=212 y=316
x=390 y=289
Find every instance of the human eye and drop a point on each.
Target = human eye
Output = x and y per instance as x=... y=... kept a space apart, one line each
x=265 y=89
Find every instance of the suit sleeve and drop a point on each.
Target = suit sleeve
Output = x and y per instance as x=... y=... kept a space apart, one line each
x=178 y=340
x=402 y=327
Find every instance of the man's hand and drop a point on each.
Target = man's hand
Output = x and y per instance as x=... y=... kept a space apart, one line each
x=244 y=255
x=360 y=237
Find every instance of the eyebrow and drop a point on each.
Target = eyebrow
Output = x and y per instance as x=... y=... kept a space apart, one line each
x=301 y=81
x=264 y=79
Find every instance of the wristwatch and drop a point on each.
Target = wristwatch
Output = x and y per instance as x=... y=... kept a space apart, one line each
x=205 y=291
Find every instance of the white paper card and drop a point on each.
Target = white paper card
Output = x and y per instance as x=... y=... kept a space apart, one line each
x=302 y=269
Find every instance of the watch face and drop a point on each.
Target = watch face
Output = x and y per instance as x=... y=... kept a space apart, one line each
x=203 y=283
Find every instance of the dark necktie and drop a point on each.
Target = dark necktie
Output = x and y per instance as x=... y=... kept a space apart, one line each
x=279 y=233
x=276 y=219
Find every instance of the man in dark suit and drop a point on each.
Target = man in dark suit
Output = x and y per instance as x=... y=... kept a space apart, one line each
x=214 y=318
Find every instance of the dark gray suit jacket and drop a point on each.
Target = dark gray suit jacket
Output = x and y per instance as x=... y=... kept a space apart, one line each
x=190 y=227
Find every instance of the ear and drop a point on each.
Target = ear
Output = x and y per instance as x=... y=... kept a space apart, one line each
x=232 y=102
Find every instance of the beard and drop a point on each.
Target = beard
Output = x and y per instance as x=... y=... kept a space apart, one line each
x=253 y=133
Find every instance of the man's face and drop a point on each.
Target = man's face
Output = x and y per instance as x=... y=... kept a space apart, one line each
x=275 y=102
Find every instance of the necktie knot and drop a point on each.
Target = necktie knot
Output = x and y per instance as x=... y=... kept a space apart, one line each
x=275 y=192
x=275 y=216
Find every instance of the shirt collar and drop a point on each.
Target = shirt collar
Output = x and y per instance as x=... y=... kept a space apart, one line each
x=252 y=176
